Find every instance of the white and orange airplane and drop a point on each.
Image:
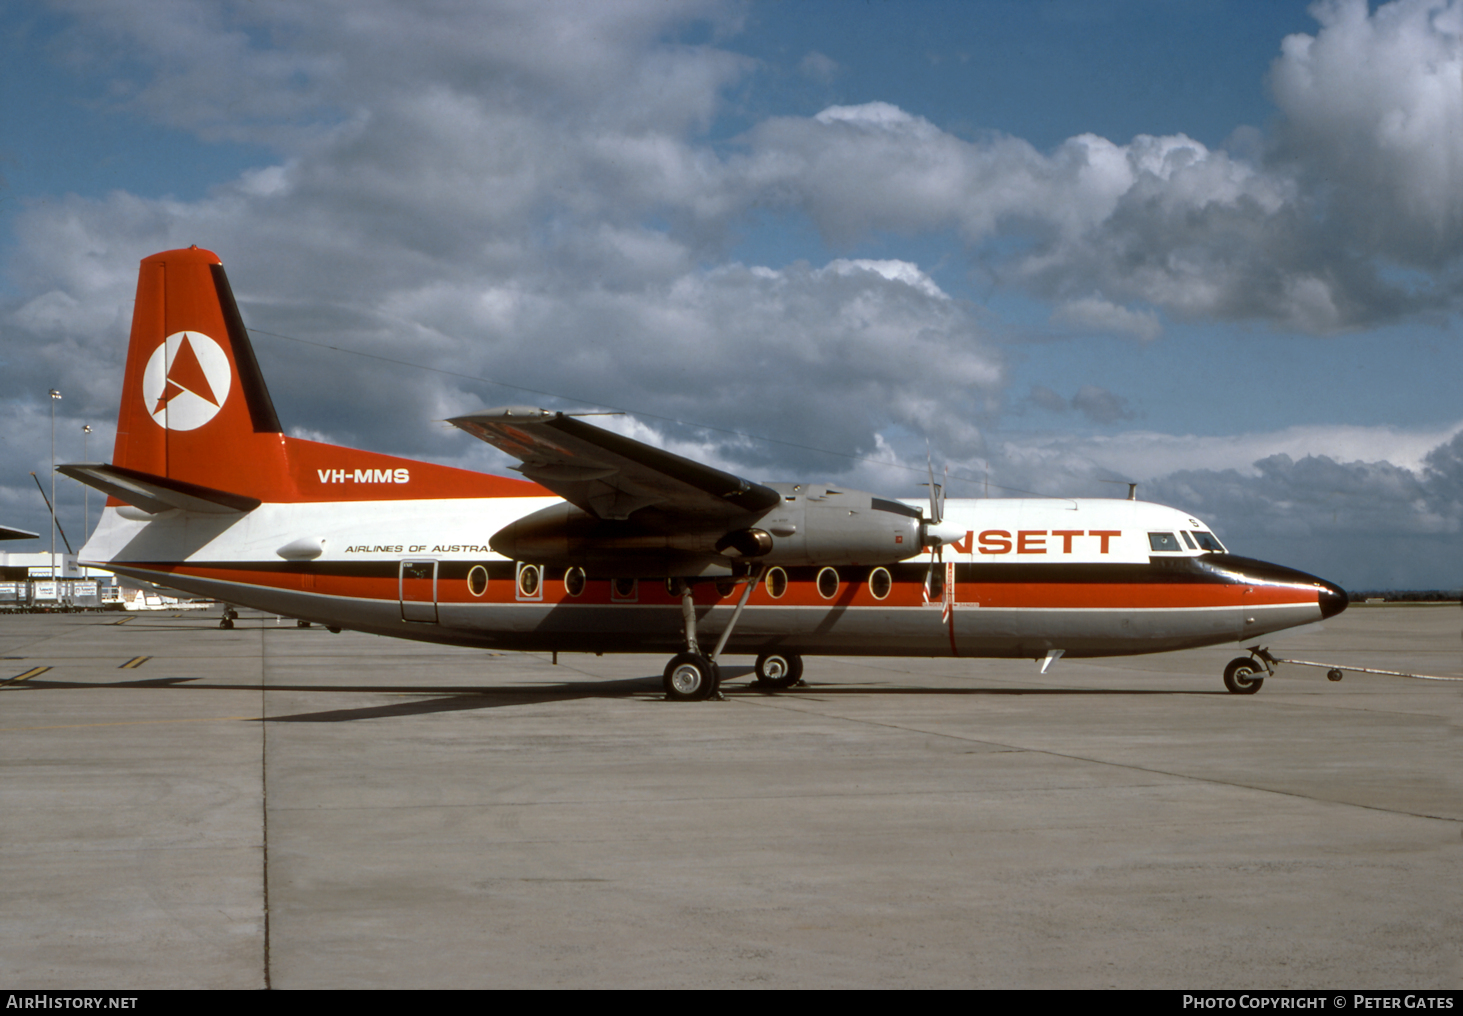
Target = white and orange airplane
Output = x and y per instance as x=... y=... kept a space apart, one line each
x=611 y=545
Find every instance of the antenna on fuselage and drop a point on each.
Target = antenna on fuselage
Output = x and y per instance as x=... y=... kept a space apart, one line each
x=1132 y=488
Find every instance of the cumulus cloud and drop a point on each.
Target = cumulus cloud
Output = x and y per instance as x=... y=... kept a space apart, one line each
x=1367 y=524
x=1364 y=173
x=1373 y=121
x=1099 y=405
x=1144 y=456
x=1094 y=225
x=818 y=66
x=1101 y=315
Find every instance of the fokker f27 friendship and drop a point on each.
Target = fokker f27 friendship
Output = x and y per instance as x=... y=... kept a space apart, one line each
x=613 y=546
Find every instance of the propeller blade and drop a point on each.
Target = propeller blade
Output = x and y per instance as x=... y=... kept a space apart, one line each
x=935 y=505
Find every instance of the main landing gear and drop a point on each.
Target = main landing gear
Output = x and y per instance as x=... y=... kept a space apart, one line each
x=776 y=671
x=693 y=676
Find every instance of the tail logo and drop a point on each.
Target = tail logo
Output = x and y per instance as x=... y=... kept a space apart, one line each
x=186 y=382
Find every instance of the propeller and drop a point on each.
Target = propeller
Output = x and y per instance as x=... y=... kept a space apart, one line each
x=934 y=536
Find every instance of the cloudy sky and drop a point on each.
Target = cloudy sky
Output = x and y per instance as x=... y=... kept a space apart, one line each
x=1210 y=246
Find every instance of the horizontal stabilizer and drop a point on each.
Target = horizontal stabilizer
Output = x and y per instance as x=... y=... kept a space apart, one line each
x=7 y=533
x=154 y=494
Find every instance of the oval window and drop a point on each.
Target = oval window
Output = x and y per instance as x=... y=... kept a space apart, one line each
x=625 y=589
x=880 y=583
x=574 y=581
x=528 y=580
x=776 y=583
x=725 y=587
x=828 y=583
x=477 y=580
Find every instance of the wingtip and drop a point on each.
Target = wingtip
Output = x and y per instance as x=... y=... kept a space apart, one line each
x=526 y=414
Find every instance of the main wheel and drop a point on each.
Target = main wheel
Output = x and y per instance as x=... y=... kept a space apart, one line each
x=690 y=677
x=779 y=670
x=1239 y=676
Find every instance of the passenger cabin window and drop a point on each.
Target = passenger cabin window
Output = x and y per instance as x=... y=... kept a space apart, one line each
x=1164 y=542
x=1208 y=541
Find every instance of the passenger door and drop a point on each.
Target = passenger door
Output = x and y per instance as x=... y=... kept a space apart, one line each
x=419 y=591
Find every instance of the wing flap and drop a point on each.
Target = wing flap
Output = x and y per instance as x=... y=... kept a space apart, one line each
x=612 y=476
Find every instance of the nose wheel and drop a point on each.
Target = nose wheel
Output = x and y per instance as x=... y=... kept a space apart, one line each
x=1243 y=676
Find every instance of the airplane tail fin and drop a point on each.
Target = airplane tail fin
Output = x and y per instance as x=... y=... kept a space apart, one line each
x=194 y=405
x=197 y=430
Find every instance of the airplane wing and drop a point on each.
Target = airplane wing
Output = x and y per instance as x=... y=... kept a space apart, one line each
x=7 y=533
x=609 y=475
x=156 y=493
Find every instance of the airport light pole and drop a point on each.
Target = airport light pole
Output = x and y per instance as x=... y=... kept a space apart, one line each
x=85 y=490
x=55 y=397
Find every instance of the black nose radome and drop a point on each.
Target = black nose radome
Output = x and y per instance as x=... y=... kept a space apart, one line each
x=1333 y=599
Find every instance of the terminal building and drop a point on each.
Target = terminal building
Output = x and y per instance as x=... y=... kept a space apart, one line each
x=40 y=580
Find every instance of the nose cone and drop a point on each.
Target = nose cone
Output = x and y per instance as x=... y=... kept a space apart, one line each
x=1275 y=585
x=938 y=534
x=1333 y=598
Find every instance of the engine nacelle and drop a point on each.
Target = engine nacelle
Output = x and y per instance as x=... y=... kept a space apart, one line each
x=818 y=524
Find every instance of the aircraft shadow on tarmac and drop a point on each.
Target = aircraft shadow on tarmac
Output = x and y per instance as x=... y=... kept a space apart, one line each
x=455 y=699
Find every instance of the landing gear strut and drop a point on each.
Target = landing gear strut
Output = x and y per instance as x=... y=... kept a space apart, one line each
x=690 y=676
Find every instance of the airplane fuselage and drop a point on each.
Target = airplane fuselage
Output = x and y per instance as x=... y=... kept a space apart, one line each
x=1031 y=576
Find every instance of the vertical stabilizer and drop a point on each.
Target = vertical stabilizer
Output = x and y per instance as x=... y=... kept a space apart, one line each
x=194 y=405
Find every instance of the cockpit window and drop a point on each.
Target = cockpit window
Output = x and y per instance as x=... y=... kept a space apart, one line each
x=1188 y=539
x=1163 y=542
x=1208 y=541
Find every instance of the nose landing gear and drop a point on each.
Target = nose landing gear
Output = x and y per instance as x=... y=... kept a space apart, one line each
x=1239 y=676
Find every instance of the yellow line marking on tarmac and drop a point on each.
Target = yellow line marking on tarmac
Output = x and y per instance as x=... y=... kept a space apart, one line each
x=130 y=723
x=134 y=663
x=123 y=621
x=32 y=672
